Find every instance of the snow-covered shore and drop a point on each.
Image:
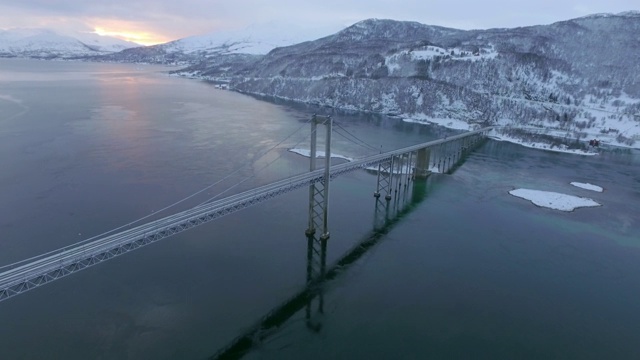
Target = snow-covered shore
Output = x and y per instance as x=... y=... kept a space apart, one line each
x=608 y=131
x=540 y=145
x=456 y=124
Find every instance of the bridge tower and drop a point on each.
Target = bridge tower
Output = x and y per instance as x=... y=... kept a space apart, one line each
x=319 y=190
x=318 y=213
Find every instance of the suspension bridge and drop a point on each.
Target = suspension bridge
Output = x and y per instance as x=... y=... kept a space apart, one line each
x=394 y=168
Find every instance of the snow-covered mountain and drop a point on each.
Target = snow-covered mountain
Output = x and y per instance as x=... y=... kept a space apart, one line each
x=249 y=42
x=578 y=78
x=255 y=40
x=45 y=43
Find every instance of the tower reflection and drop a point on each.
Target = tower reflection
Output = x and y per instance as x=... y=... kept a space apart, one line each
x=387 y=213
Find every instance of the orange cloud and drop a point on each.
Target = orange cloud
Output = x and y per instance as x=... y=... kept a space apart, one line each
x=125 y=30
x=139 y=37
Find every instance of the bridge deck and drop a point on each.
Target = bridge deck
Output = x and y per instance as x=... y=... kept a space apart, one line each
x=68 y=260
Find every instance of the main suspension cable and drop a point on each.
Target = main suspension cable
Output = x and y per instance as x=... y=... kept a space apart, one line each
x=358 y=140
x=254 y=174
x=153 y=213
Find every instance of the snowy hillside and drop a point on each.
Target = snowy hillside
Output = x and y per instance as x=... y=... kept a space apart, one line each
x=575 y=80
x=44 y=43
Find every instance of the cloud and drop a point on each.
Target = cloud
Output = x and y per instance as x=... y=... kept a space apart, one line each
x=176 y=19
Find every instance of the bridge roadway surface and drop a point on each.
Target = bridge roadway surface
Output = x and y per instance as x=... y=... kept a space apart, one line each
x=65 y=261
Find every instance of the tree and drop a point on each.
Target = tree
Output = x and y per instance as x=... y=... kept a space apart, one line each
x=422 y=69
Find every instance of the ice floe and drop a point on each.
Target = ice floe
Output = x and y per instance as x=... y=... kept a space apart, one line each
x=587 y=186
x=448 y=123
x=405 y=169
x=553 y=200
x=320 y=154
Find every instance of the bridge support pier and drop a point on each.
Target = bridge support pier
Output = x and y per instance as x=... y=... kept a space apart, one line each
x=439 y=159
x=421 y=170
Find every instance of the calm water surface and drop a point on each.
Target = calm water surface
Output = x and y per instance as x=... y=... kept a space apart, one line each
x=467 y=271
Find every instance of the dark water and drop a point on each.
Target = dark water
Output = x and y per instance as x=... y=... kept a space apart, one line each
x=467 y=271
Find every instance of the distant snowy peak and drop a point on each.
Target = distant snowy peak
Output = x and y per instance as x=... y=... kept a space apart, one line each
x=45 y=43
x=256 y=40
x=103 y=43
x=223 y=44
x=630 y=13
x=377 y=30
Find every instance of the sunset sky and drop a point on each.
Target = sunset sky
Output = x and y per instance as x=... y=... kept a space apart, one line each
x=156 y=21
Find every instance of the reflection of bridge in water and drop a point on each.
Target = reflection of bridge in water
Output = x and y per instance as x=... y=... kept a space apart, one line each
x=396 y=170
x=387 y=214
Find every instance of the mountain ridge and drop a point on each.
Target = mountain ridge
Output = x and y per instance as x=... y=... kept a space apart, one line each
x=578 y=77
x=250 y=42
x=49 y=44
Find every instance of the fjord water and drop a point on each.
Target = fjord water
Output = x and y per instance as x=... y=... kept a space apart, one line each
x=467 y=272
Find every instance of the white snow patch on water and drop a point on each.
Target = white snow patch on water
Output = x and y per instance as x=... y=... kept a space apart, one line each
x=448 y=123
x=587 y=186
x=553 y=200
x=10 y=98
x=406 y=169
x=320 y=154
